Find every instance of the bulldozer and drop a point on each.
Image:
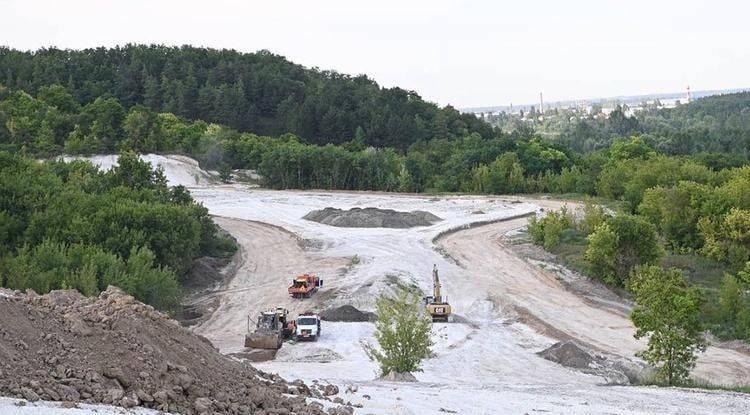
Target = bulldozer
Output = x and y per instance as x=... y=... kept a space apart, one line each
x=271 y=328
x=437 y=306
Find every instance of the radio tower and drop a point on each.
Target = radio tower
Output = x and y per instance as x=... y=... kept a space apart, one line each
x=689 y=95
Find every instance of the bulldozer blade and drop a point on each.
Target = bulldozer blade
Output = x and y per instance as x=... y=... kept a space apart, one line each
x=262 y=341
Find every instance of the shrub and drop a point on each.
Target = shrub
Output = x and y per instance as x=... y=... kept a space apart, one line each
x=403 y=334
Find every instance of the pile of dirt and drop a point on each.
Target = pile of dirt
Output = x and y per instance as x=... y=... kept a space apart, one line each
x=115 y=350
x=347 y=313
x=570 y=354
x=371 y=218
x=614 y=371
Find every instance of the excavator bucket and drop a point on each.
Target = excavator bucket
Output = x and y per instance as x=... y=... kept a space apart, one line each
x=262 y=341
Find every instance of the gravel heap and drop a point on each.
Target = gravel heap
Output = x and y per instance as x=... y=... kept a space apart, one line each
x=347 y=313
x=615 y=371
x=371 y=218
x=115 y=350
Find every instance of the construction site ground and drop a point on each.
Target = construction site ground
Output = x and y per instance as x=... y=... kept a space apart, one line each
x=507 y=308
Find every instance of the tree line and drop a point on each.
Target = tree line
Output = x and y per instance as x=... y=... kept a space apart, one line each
x=258 y=92
x=710 y=125
x=70 y=225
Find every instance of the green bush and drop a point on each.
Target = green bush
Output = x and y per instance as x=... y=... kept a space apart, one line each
x=548 y=230
x=620 y=244
x=403 y=334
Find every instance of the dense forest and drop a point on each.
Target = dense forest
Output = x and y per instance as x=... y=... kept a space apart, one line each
x=69 y=225
x=678 y=178
x=258 y=92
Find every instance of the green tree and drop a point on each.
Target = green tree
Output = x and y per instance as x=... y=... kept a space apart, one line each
x=403 y=334
x=668 y=313
x=620 y=244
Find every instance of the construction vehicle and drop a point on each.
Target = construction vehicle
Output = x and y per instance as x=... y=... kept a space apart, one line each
x=271 y=328
x=307 y=327
x=437 y=306
x=303 y=286
x=288 y=328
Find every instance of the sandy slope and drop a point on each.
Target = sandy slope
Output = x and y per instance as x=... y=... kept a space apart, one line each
x=513 y=281
x=270 y=257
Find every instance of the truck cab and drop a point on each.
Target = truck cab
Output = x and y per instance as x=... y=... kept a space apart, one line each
x=308 y=327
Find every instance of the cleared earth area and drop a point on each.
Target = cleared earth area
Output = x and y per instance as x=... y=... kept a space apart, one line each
x=507 y=308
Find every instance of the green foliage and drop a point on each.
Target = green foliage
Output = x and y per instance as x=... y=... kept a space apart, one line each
x=668 y=313
x=676 y=211
x=70 y=225
x=548 y=230
x=89 y=269
x=620 y=244
x=635 y=148
x=403 y=334
x=258 y=92
x=593 y=216
x=728 y=237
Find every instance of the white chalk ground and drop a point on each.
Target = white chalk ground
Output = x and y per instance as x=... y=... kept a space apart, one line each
x=182 y=170
x=486 y=366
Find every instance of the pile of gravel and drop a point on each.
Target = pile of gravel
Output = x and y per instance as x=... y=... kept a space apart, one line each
x=347 y=313
x=115 y=350
x=371 y=218
x=614 y=371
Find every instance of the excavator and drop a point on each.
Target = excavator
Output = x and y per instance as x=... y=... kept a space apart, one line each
x=437 y=306
x=271 y=328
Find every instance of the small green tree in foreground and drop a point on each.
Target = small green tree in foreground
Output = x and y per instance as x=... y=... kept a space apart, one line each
x=668 y=312
x=402 y=332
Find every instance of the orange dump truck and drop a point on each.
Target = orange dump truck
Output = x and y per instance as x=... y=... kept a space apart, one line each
x=304 y=285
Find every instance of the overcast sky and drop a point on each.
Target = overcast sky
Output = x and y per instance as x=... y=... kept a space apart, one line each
x=464 y=53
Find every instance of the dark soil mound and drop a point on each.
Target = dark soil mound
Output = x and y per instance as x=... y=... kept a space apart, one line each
x=371 y=218
x=569 y=354
x=115 y=350
x=347 y=313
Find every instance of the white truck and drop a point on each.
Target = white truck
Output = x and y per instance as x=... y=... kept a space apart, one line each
x=308 y=327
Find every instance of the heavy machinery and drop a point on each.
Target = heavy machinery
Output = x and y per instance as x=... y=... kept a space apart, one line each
x=303 y=286
x=271 y=328
x=436 y=305
x=308 y=327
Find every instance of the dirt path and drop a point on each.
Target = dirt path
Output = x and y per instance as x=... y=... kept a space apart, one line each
x=545 y=303
x=269 y=258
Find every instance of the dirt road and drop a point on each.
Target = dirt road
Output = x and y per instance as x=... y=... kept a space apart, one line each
x=549 y=307
x=269 y=258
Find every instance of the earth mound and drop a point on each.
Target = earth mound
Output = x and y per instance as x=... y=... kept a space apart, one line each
x=569 y=354
x=115 y=350
x=615 y=371
x=371 y=218
x=347 y=313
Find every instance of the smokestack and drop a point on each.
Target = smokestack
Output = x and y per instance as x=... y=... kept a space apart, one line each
x=541 y=104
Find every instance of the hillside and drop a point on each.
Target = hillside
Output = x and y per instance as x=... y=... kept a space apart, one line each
x=257 y=92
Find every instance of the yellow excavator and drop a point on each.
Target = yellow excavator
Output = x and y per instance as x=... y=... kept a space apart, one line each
x=436 y=305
